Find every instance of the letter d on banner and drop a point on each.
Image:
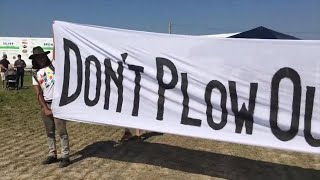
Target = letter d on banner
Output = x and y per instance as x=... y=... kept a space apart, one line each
x=65 y=98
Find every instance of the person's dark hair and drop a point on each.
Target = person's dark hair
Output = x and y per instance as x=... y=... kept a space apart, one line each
x=19 y=55
x=35 y=64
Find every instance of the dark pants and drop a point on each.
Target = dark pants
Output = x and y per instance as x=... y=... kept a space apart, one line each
x=20 y=76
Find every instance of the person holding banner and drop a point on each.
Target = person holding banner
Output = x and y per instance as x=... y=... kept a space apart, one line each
x=43 y=82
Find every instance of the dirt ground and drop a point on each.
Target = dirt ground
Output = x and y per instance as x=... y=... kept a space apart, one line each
x=96 y=153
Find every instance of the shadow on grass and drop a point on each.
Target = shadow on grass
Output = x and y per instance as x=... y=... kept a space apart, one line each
x=193 y=161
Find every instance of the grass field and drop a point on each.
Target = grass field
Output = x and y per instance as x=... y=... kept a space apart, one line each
x=95 y=153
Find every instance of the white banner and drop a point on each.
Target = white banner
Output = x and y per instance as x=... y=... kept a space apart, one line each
x=12 y=46
x=255 y=92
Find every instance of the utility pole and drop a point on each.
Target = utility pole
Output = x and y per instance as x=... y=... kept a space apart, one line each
x=170 y=28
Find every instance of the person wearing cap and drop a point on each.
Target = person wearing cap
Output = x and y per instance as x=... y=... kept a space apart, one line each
x=43 y=82
x=4 y=66
x=19 y=64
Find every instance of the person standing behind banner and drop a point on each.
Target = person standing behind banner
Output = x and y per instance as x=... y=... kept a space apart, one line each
x=20 y=65
x=43 y=82
x=128 y=135
x=4 y=66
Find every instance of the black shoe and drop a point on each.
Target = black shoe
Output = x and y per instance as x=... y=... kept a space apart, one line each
x=64 y=162
x=50 y=160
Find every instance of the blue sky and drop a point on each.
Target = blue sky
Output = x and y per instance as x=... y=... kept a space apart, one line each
x=300 y=18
